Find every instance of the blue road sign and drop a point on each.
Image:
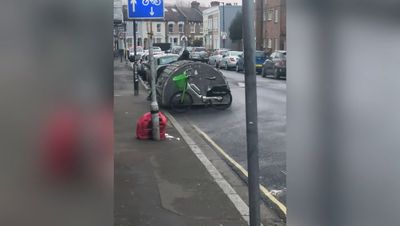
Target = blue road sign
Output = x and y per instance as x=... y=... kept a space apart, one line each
x=146 y=9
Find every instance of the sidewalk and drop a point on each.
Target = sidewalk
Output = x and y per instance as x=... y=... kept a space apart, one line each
x=160 y=183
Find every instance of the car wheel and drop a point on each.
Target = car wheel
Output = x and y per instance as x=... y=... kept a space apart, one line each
x=237 y=68
x=276 y=74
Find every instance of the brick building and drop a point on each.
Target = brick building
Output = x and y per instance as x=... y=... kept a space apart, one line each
x=274 y=24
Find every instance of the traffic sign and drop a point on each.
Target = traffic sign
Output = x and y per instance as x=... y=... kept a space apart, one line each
x=146 y=9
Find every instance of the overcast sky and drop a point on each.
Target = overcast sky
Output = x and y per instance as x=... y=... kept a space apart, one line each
x=202 y=2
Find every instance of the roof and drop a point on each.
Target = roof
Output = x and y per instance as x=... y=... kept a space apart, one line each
x=192 y=14
x=171 y=13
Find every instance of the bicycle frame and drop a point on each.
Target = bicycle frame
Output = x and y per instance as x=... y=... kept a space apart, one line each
x=193 y=89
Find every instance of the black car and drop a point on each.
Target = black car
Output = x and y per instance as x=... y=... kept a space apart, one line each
x=275 y=65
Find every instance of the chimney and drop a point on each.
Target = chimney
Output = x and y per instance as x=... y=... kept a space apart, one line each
x=195 y=4
x=214 y=3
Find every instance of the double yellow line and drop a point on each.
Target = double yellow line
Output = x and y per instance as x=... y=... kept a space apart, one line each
x=263 y=189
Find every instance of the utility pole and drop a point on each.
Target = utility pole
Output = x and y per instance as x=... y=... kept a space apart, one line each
x=135 y=75
x=223 y=24
x=251 y=111
x=154 y=105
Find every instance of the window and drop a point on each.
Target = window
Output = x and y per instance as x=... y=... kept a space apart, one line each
x=193 y=28
x=180 y=28
x=158 y=28
x=201 y=28
x=158 y=40
x=264 y=43
x=215 y=23
x=175 y=41
x=276 y=44
x=210 y=23
x=270 y=14
x=269 y=43
x=276 y=15
x=265 y=16
x=170 y=28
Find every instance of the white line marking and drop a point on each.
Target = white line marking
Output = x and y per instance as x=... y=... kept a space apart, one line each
x=242 y=170
x=237 y=201
x=144 y=84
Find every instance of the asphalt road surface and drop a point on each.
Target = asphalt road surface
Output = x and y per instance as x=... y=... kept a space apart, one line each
x=228 y=128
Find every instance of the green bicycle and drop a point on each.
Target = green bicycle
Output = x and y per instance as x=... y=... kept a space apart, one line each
x=218 y=96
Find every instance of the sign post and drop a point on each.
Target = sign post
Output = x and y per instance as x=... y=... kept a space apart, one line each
x=135 y=74
x=149 y=10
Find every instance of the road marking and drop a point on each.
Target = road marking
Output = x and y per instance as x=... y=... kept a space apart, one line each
x=144 y=84
x=237 y=201
x=263 y=189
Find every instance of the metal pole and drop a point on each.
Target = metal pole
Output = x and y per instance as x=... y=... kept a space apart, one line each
x=154 y=105
x=125 y=52
x=251 y=111
x=223 y=24
x=135 y=75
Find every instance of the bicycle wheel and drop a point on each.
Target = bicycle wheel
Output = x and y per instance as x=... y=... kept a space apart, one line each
x=180 y=103
x=222 y=104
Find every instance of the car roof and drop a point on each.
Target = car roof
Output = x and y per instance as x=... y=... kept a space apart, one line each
x=165 y=55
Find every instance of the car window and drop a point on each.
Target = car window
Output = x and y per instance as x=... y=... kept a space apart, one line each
x=260 y=54
x=199 y=49
x=167 y=60
x=235 y=53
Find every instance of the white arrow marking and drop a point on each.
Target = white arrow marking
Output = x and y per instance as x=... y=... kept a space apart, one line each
x=133 y=2
x=151 y=11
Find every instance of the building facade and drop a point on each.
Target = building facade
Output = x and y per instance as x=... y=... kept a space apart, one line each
x=174 y=23
x=216 y=23
x=193 y=29
x=181 y=25
x=274 y=24
x=142 y=29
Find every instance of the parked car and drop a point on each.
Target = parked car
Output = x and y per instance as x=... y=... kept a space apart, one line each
x=229 y=59
x=216 y=57
x=160 y=62
x=139 y=50
x=176 y=49
x=141 y=65
x=199 y=54
x=165 y=47
x=275 y=65
x=156 y=50
x=260 y=59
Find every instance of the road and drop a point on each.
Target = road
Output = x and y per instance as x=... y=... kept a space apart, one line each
x=227 y=128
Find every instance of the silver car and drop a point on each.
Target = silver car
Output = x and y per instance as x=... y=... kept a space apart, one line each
x=216 y=57
x=230 y=59
x=199 y=53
